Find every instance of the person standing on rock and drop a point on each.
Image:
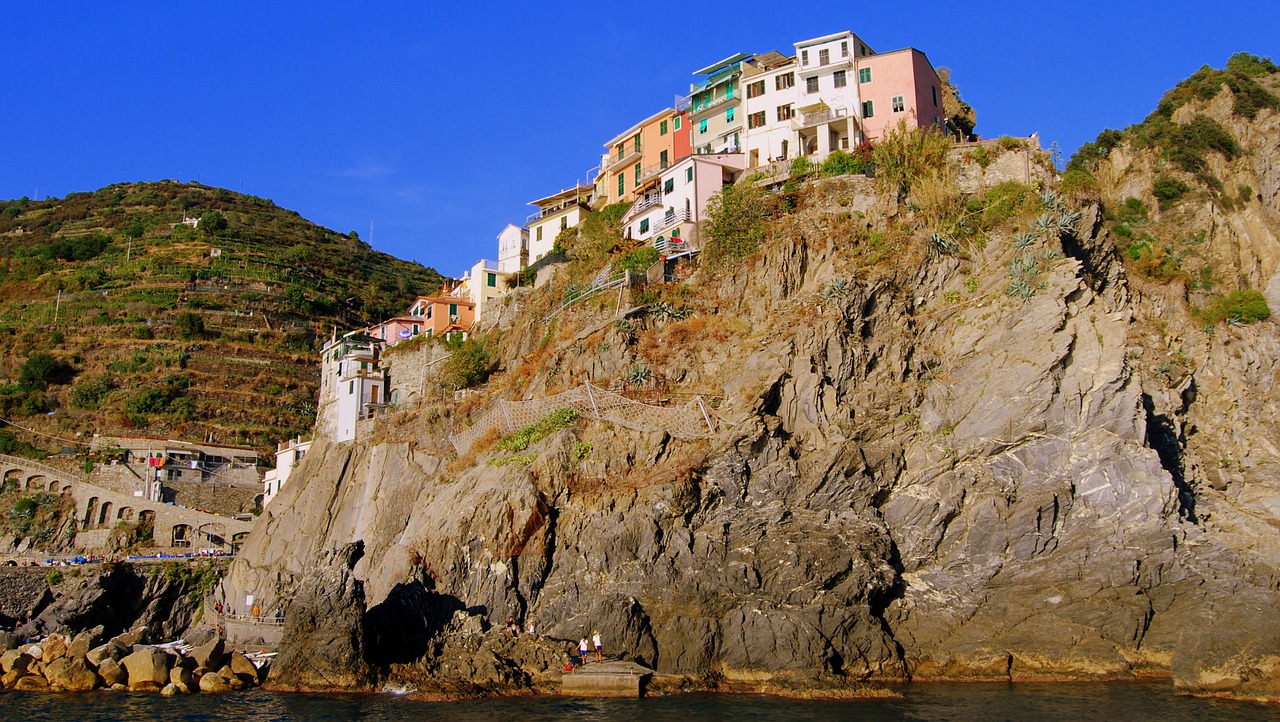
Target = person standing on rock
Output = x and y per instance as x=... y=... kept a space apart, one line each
x=595 y=639
x=582 y=650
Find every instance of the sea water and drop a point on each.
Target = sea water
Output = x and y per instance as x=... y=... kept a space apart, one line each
x=1098 y=701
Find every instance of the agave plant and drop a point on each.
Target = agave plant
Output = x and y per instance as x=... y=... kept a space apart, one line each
x=1020 y=288
x=1023 y=240
x=838 y=287
x=1067 y=221
x=1050 y=199
x=940 y=245
x=637 y=374
x=1045 y=223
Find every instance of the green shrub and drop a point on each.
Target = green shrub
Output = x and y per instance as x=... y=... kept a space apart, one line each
x=842 y=163
x=90 y=394
x=190 y=325
x=638 y=260
x=1237 y=307
x=801 y=167
x=905 y=156
x=735 y=223
x=519 y=441
x=1079 y=182
x=54 y=577
x=1005 y=201
x=469 y=366
x=41 y=370
x=1168 y=190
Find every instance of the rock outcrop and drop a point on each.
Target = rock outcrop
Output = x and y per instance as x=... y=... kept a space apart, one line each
x=326 y=630
x=922 y=470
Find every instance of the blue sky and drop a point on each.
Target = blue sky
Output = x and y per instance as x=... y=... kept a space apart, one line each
x=439 y=121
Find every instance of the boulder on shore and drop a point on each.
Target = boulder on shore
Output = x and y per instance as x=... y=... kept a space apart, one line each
x=112 y=673
x=148 y=669
x=211 y=654
x=213 y=682
x=71 y=674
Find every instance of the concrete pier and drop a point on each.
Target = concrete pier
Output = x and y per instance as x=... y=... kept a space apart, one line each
x=606 y=679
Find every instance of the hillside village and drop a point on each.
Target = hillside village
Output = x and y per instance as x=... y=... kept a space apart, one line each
x=747 y=115
x=750 y=116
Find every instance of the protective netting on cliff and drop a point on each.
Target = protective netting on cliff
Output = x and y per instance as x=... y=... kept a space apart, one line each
x=690 y=421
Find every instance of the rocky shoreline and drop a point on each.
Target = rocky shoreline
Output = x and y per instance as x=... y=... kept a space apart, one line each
x=90 y=661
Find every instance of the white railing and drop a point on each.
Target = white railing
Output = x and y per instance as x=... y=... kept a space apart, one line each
x=818 y=117
x=678 y=217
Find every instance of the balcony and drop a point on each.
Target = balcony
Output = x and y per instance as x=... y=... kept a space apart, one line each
x=653 y=170
x=553 y=210
x=629 y=156
x=671 y=219
x=697 y=109
x=818 y=117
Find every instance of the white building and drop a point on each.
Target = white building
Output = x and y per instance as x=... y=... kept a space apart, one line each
x=483 y=283
x=352 y=384
x=288 y=456
x=555 y=213
x=513 y=249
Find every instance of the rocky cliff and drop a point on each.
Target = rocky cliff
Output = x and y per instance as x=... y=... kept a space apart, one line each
x=966 y=437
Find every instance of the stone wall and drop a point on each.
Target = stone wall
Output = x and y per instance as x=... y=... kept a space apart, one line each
x=121 y=477
x=22 y=588
x=1028 y=164
x=223 y=499
x=409 y=368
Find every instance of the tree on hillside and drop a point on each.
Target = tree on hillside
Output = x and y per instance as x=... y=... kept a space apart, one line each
x=190 y=325
x=212 y=222
x=960 y=114
x=42 y=369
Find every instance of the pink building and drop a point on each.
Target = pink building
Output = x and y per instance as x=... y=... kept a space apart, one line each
x=394 y=330
x=896 y=85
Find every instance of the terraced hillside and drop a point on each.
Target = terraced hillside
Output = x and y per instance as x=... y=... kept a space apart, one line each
x=178 y=310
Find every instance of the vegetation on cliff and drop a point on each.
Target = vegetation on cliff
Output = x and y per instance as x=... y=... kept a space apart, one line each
x=176 y=309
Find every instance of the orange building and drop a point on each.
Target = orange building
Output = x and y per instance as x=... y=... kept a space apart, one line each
x=445 y=313
x=638 y=156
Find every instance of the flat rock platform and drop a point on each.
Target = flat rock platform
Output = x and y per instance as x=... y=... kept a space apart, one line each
x=606 y=679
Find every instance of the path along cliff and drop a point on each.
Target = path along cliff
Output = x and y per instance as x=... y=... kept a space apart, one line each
x=957 y=438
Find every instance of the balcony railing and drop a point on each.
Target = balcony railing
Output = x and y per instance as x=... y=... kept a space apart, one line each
x=680 y=216
x=628 y=157
x=551 y=211
x=807 y=120
x=653 y=170
x=700 y=108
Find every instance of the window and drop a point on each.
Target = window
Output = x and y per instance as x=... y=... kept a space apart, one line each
x=491 y=280
x=728 y=91
x=844 y=48
x=622 y=188
x=662 y=128
x=539 y=233
x=898 y=105
x=429 y=310
x=662 y=160
x=811 y=84
x=669 y=185
x=702 y=126
x=351 y=387
x=934 y=88
x=785 y=112
x=755 y=120
x=637 y=142
x=677 y=122
x=824 y=56
x=786 y=80
x=637 y=173
x=416 y=328
x=868 y=109
x=804 y=57
x=688 y=174
x=840 y=81
x=728 y=115
x=644 y=225
x=564 y=223
x=756 y=89
x=864 y=75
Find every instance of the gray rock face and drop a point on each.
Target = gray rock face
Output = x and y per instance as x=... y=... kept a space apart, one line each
x=925 y=476
x=325 y=629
